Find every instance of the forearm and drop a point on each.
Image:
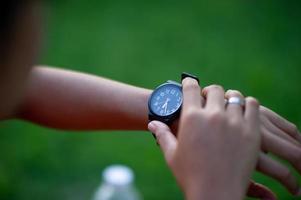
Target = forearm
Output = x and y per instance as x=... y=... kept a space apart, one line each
x=75 y=101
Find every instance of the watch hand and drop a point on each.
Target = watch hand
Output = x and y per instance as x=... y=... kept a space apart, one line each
x=167 y=100
x=165 y=104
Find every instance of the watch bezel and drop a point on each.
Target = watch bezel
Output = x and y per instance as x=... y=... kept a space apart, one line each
x=167 y=118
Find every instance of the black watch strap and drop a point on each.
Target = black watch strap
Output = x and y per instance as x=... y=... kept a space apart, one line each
x=185 y=75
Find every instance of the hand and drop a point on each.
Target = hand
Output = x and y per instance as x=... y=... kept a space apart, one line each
x=282 y=139
x=214 y=144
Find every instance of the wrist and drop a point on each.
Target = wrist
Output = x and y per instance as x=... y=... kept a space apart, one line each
x=141 y=111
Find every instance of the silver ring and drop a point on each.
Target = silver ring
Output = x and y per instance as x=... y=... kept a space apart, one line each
x=236 y=100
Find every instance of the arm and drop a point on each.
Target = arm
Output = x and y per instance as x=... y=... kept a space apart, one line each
x=75 y=101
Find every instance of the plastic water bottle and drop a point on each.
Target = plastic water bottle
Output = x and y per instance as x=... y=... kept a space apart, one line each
x=117 y=184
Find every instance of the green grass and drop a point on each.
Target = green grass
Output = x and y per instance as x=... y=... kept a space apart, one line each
x=252 y=46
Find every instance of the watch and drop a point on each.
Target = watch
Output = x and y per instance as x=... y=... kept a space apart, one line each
x=165 y=102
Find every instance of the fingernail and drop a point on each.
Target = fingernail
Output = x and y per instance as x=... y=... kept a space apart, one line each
x=151 y=127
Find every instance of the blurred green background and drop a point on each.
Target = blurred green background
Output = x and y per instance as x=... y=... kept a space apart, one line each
x=250 y=45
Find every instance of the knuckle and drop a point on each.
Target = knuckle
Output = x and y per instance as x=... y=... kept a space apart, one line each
x=285 y=175
x=216 y=117
x=251 y=138
x=192 y=114
x=190 y=84
x=253 y=130
x=235 y=124
x=233 y=93
x=294 y=129
x=297 y=159
x=215 y=87
x=252 y=101
x=263 y=109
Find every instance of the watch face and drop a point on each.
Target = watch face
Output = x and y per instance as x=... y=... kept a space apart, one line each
x=166 y=99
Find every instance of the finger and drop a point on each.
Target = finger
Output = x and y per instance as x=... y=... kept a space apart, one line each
x=252 y=111
x=214 y=95
x=257 y=190
x=203 y=101
x=282 y=148
x=278 y=172
x=288 y=127
x=235 y=110
x=165 y=138
x=191 y=94
x=277 y=131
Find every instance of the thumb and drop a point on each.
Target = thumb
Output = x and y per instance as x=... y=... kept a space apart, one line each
x=165 y=138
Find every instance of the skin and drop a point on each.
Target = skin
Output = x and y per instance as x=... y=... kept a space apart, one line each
x=82 y=102
x=223 y=143
x=69 y=100
x=277 y=142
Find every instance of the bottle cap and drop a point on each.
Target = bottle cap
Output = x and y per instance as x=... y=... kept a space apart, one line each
x=118 y=175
